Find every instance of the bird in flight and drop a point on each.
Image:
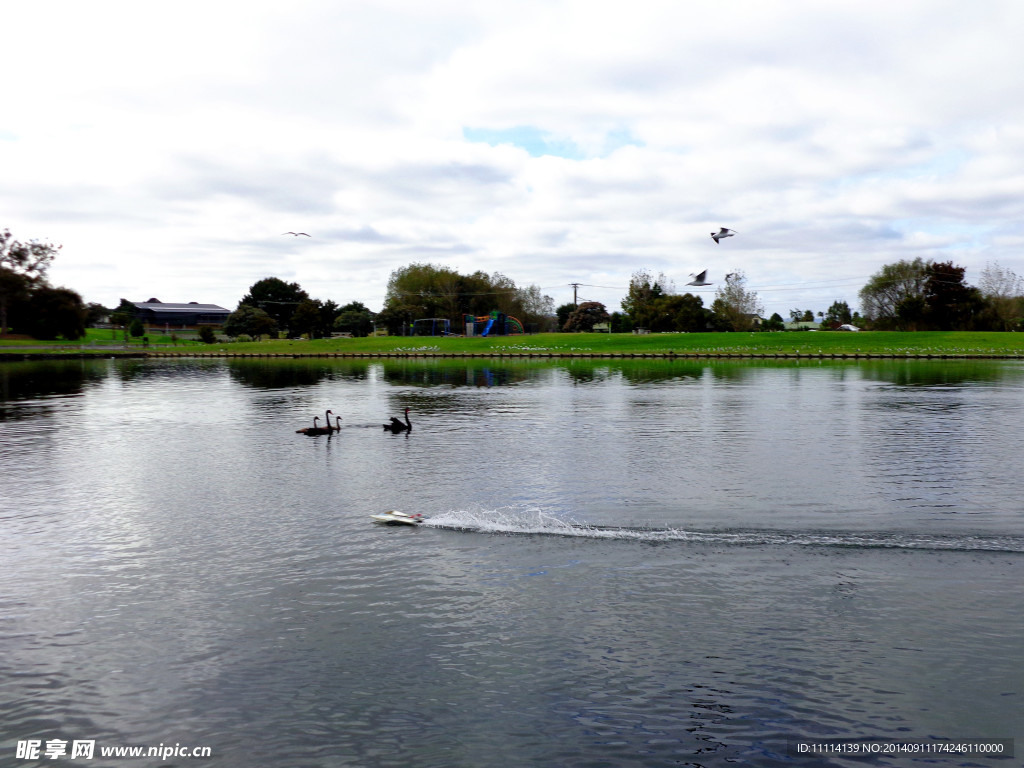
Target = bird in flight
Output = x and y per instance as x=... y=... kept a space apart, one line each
x=699 y=279
x=296 y=234
x=723 y=232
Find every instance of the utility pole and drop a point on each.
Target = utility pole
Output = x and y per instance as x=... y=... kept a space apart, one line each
x=574 y=287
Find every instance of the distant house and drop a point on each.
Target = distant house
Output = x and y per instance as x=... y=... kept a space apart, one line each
x=190 y=315
x=754 y=319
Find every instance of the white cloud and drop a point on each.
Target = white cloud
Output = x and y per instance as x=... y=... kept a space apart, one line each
x=166 y=147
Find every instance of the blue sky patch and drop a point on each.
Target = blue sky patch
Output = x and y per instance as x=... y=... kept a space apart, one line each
x=535 y=141
x=540 y=143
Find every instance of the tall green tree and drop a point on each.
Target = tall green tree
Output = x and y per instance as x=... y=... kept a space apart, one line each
x=738 y=306
x=889 y=288
x=248 y=320
x=953 y=305
x=586 y=316
x=354 y=318
x=838 y=314
x=420 y=291
x=329 y=310
x=562 y=314
x=306 y=319
x=23 y=266
x=684 y=313
x=56 y=313
x=423 y=290
x=277 y=298
x=96 y=313
x=641 y=301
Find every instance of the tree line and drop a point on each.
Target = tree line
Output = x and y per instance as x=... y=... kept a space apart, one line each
x=907 y=295
x=652 y=303
x=923 y=295
x=913 y=295
x=414 y=292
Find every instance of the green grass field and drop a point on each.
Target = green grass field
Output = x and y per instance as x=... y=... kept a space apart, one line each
x=800 y=342
x=954 y=343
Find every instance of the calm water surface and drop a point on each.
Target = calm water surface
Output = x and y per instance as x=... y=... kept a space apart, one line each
x=639 y=563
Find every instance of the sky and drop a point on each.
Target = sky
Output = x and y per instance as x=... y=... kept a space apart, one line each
x=167 y=146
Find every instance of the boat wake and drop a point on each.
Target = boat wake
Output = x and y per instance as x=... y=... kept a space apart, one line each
x=538 y=522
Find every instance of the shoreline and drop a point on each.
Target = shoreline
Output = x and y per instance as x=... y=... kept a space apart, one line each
x=106 y=354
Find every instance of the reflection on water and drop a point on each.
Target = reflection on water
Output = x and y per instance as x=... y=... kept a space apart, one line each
x=627 y=562
x=22 y=382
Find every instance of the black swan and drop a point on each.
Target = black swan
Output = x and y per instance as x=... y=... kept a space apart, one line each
x=318 y=430
x=397 y=426
x=306 y=430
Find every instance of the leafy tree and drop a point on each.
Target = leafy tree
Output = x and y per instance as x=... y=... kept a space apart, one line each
x=586 y=316
x=535 y=308
x=773 y=323
x=122 y=316
x=207 y=335
x=136 y=328
x=306 y=318
x=838 y=314
x=394 y=320
x=1003 y=289
x=249 y=321
x=736 y=304
x=329 y=310
x=890 y=287
x=277 y=298
x=681 y=313
x=427 y=290
x=911 y=313
x=95 y=313
x=721 y=318
x=640 y=302
x=354 y=318
x=56 y=312
x=952 y=304
x=22 y=267
x=620 y=323
x=916 y=296
x=15 y=292
x=562 y=314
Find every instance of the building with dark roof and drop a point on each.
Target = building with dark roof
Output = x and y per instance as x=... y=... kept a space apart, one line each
x=190 y=315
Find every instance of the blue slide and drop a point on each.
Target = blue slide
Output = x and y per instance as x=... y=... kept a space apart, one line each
x=487 y=327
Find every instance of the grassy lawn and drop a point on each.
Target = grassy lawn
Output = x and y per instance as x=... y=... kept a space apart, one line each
x=789 y=343
x=97 y=337
x=802 y=342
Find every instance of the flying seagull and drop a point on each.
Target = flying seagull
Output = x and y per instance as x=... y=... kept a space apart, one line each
x=699 y=279
x=723 y=232
x=296 y=234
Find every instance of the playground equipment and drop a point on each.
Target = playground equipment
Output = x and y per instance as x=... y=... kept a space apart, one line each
x=495 y=324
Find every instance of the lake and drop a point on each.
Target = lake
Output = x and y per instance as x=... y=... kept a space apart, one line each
x=628 y=563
